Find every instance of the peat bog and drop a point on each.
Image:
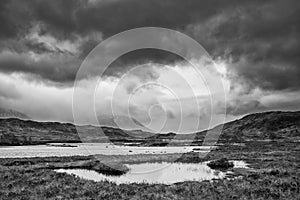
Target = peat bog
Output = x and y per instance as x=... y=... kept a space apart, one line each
x=273 y=173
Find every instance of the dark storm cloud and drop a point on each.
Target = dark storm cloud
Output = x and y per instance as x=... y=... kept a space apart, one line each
x=140 y=57
x=260 y=43
x=64 y=19
x=111 y=17
x=13 y=19
x=39 y=47
x=56 y=69
x=258 y=39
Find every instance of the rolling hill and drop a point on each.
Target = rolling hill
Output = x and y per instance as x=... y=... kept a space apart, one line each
x=15 y=131
x=9 y=113
x=261 y=126
x=258 y=126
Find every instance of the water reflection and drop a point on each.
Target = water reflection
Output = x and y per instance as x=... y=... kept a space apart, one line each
x=166 y=173
x=85 y=149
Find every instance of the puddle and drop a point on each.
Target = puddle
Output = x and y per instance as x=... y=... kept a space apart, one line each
x=167 y=173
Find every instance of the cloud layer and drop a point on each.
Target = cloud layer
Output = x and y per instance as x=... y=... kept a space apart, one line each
x=259 y=39
x=255 y=43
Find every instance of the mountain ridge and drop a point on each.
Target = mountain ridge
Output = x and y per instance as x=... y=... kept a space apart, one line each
x=256 y=126
x=9 y=113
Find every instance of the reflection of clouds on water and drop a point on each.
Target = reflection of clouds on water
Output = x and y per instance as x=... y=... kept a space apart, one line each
x=169 y=173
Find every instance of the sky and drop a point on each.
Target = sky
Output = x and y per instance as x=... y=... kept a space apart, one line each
x=253 y=44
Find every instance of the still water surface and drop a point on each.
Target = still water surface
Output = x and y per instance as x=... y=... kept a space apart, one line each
x=167 y=173
x=85 y=149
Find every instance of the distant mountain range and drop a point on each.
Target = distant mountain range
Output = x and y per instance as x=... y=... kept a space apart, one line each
x=259 y=126
x=120 y=121
x=9 y=113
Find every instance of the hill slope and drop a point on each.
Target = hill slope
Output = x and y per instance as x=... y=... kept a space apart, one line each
x=8 y=113
x=15 y=131
x=259 y=126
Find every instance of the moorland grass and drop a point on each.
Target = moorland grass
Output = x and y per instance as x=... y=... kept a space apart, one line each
x=273 y=174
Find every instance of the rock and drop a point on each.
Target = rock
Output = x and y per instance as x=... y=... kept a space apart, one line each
x=222 y=163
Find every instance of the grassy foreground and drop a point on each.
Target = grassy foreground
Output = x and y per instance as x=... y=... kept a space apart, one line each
x=275 y=174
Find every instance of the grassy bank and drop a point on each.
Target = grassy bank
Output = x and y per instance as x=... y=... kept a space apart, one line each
x=41 y=184
x=274 y=175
